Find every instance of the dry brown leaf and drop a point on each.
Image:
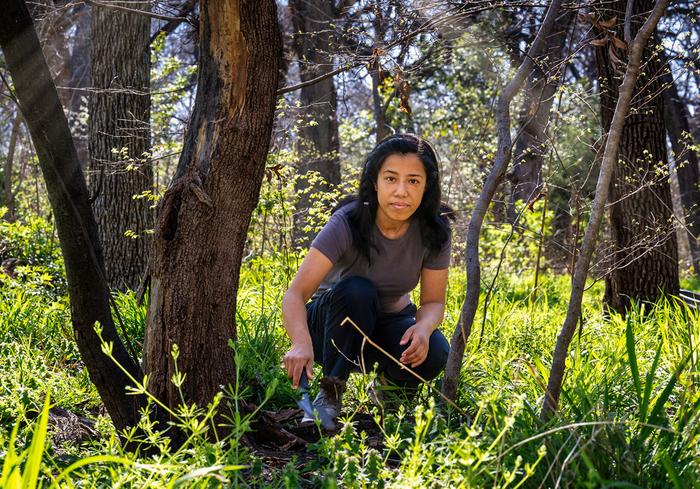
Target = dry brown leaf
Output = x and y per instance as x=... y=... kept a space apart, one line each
x=619 y=43
x=599 y=42
x=608 y=24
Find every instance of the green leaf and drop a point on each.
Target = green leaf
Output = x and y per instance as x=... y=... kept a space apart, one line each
x=632 y=355
x=36 y=449
x=648 y=384
x=672 y=473
x=655 y=415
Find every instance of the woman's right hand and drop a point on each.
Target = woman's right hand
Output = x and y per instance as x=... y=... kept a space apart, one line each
x=300 y=357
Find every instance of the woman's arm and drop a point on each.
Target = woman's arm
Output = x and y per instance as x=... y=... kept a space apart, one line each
x=433 y=289
x=312 y=271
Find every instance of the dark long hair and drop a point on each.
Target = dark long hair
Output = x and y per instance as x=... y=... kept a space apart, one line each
x=434 y=226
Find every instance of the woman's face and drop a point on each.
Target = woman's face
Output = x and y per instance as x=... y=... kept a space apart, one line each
x=400 y=186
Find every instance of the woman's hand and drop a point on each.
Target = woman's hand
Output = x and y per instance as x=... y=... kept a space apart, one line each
x=300 y=357
x=417 y=352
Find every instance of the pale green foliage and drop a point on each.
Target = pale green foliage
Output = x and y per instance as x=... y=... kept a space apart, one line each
x=630 y=405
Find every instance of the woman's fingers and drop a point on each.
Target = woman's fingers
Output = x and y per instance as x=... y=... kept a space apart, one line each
x=298 y=368
x=407 y=336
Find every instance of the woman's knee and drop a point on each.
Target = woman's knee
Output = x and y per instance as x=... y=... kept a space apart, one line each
x=436 y=360
x=356 y=291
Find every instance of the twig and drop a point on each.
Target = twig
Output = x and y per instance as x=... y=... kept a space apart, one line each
x=391 y=357
x=95 y=3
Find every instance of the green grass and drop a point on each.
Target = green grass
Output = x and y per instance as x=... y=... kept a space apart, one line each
x=629 y=409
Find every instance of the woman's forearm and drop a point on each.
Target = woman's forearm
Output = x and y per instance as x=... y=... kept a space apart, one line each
x=430 y=315
x=294 y=318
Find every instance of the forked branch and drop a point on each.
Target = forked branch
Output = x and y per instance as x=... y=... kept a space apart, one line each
x=636 y=48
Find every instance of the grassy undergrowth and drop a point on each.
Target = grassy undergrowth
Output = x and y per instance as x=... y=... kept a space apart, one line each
x=629 y=414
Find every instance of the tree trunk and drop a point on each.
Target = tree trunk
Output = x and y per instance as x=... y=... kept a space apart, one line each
x=75 y=223
x=645 y=254
x=119 y=140
x=494 y=178
x=540 y=88
x=202 y=224
x=79 y=80
x=686 y=162
x=635 y=48
x=318 y=145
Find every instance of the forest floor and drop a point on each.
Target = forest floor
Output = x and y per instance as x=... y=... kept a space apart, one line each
x=630 y=413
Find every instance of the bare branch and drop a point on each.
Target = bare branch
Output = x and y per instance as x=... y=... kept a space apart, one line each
x=556 y=376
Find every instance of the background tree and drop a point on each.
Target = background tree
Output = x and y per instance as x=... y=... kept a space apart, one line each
x=644 y=255
x=685 y=159
x=318 y=146
x=120 y=139
x=539 y=94
x=38 y=99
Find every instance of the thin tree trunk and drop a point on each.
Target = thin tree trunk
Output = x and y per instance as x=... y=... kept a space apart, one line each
x=119 y=142
x=79 y=80
x=202 y=224
x=645 y=252
x=319 y=145
x=8 y=169
x=542 y=84
x=75 y=223
x=635 y=48
x=686 y=161
x=503 y=156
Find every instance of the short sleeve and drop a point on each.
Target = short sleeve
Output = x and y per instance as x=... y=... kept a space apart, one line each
x=440 y=260
x=335 y=238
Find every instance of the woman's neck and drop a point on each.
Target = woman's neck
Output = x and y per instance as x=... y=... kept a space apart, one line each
x=390 y=228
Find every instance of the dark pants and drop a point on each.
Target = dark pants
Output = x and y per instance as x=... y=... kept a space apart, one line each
x=337 y=348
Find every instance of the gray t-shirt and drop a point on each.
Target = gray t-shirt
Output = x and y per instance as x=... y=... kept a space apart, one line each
x=396 y=264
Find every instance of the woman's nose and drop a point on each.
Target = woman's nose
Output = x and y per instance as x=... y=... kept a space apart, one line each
x=401 y=188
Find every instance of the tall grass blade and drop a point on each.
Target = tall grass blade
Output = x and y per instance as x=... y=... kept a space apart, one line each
x=36 y=448
x=11 y=478
x=655 y=415
x=672 y=473
x=632 y=355
x=207 y=472
x=648 y=385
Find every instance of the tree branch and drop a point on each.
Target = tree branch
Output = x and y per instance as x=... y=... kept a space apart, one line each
x=636 y=47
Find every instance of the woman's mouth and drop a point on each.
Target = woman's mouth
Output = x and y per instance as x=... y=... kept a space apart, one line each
x=399 y=205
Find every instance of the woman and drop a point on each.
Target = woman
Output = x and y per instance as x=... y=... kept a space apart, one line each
x=363 y=264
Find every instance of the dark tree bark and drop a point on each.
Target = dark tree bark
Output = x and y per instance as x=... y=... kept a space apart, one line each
x=645 y=254
x=202 y=224
x=686 y=161
x=119 y=140
x=540 y=88
x=319 y=145
x=75 y=223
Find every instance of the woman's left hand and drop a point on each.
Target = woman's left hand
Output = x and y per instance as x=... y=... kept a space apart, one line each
x=417 y=352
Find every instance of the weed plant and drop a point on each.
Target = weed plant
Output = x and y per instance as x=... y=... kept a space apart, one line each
x=628 y=418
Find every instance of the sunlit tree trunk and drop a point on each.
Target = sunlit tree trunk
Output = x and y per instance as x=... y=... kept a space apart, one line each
x=203 y=219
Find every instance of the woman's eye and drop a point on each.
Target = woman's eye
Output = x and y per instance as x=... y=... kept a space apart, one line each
x=389 y=179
